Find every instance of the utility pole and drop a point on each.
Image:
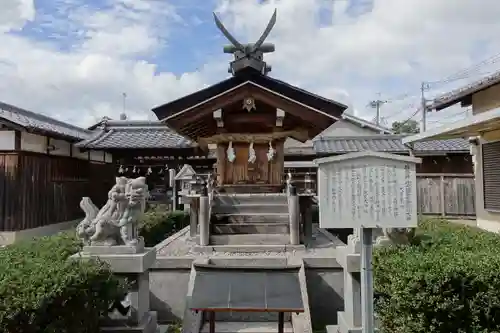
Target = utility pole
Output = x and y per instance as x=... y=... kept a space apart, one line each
x=124 y=95
x=376 y=104
x=423 y=105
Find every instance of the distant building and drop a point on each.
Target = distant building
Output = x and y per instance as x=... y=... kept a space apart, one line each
x=483 y=131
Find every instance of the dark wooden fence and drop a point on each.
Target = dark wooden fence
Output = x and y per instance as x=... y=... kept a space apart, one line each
x=37 y=190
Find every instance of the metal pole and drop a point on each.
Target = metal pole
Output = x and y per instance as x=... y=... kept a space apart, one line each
x=423 y=102
x=294 y=211
x=367 y=280
x=204 y=218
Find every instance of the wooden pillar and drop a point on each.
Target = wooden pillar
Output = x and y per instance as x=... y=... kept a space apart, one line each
x=211 y=319
x=306 y=216
x=193 y=217
x=281 y=322
x=221 y=163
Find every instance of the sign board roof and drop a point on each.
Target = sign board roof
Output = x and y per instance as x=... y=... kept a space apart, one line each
x=187 y=172
x=367 y=190
x=247 y=289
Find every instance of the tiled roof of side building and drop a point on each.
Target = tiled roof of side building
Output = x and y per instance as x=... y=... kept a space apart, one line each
x=32 y=121
x=448 y=145
x=365 y=123
x=386 y=143
x=129 y=134
x=342 y=145
x=463 y=93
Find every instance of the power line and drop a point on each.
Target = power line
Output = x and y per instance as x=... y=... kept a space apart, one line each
x=440 y=120
x=459 y=78
x=467 y=71
x=410 y=118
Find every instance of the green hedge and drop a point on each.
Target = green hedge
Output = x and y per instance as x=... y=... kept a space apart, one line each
x=41 y=290
x=449 y=281
x=157 y=224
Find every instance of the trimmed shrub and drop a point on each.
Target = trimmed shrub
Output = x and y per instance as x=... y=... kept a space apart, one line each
x=448 y=281
x=158 y=224
x=41 y=290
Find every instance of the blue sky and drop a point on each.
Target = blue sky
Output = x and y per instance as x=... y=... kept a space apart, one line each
x=73 y=58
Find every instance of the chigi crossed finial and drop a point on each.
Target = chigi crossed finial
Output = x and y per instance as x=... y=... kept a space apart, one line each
x=248 y=55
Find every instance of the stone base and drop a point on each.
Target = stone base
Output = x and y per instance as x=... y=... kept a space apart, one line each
x=247 y=248
x=124 y=263
x=344 y=327
x=148 y=325
x=115 y=249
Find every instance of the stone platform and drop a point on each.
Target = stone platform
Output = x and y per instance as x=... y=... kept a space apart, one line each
x=133 y=262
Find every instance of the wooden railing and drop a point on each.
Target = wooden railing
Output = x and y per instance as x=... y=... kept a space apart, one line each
x=441 y=194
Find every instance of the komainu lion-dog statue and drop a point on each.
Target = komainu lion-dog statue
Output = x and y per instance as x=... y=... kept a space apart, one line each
x=116 y=222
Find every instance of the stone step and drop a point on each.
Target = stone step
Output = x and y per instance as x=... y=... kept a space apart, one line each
x=246 y=327
x=251 y=228
x=251 y=218
x=251 y=208
x=250 y=239
x=232 y=199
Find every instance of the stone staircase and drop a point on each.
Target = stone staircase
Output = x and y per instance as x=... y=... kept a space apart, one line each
x=250 y=219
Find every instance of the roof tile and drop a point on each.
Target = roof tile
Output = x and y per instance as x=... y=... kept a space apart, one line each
x=135 y=138
x=34 y=121
x=388 y=144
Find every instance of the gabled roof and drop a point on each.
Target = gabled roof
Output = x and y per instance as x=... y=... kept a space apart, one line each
x=33 y=122
x=477 y=125
x=365 y=123
x=463 y=95
x=326 y=105
x=387 y=144
x=129 y=134
x=186 y=172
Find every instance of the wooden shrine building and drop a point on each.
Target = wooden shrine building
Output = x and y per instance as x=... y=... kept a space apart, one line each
x=248 y=117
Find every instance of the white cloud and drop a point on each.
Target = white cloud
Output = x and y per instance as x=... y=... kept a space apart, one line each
x=15 y=13
x=411 y=40
x=350 y=59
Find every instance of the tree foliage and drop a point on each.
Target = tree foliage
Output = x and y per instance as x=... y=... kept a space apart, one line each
x=447 y=282
x=406 y=127
x=157 y=224
x=43 y=291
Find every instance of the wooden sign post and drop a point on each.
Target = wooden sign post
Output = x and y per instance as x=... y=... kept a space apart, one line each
x=367 y=190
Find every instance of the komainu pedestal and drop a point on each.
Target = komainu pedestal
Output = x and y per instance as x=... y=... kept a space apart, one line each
x=110 y=234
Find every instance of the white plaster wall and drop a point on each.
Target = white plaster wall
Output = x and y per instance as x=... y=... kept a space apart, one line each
x=347 y=128
x=108 y=158
x=33 y=142
x=339 y=129
x=485 y=219
x=62 y=148
x=97 y=155
x=486 y=100
x=82 y=155
x=7 y=140
x=290 y=142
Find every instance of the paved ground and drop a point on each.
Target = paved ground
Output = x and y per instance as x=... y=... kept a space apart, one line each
x=323 y=245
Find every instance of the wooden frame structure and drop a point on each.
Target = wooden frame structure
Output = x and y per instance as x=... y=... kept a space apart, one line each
x=248 y=117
